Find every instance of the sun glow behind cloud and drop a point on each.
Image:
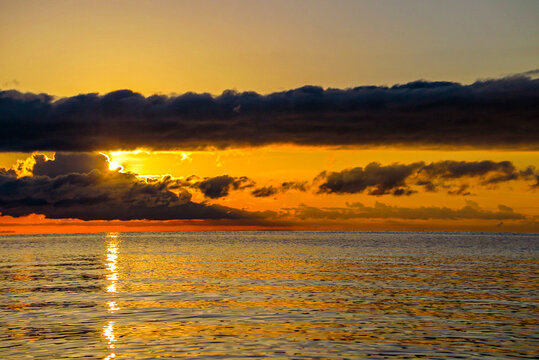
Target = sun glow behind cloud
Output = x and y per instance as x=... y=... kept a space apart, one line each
x=269 y=166
x=273 y=166
x=114 y=165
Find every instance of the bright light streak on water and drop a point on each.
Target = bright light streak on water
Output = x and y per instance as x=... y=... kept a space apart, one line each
x=108 y=333
x=112 y=306
x=288 y=295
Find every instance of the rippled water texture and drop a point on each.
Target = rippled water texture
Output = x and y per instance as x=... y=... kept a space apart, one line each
x=289 y=295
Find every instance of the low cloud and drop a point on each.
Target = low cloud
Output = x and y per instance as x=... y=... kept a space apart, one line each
x=220 y=186
x=267 y=191
x=490 y=171
x=213 y=187
x=64 y=188
x=486 y=114
x=531 y=174
x=382 y=211
x=69 y=163
x=403 y=179
x=378 y=179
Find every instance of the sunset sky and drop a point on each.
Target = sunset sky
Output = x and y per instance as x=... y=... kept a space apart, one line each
x=247 y=115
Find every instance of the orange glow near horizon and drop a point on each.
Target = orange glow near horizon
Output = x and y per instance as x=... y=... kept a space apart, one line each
x=37 y=224
x=272 y=165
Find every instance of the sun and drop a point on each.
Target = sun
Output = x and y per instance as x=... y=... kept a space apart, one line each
x=113 y=165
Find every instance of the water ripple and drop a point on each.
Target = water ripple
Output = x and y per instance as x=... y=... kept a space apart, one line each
x=278 y=295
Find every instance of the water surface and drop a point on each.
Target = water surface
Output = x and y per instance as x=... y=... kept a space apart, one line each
x=278 y=295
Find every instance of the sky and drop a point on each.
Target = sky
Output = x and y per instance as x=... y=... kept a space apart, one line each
x=247 y=115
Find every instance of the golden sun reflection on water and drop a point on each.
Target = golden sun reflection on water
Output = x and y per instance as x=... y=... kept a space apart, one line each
x=112 y=259
x=112 y=278
x=108 y=333
x=112 y=306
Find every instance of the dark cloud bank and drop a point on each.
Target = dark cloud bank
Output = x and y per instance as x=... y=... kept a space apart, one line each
x=81 y=186
x=494 y=113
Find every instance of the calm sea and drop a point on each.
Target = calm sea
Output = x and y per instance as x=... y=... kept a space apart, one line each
x=278 y=295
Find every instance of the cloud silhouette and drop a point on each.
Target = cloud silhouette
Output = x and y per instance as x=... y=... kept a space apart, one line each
x=530 y=173
x=501 y=171
x=69 y=163
x=398 y=179
x=267 y=191
x=60 y=191
x=379 y=179
x=220 y=186
x=485 y=114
